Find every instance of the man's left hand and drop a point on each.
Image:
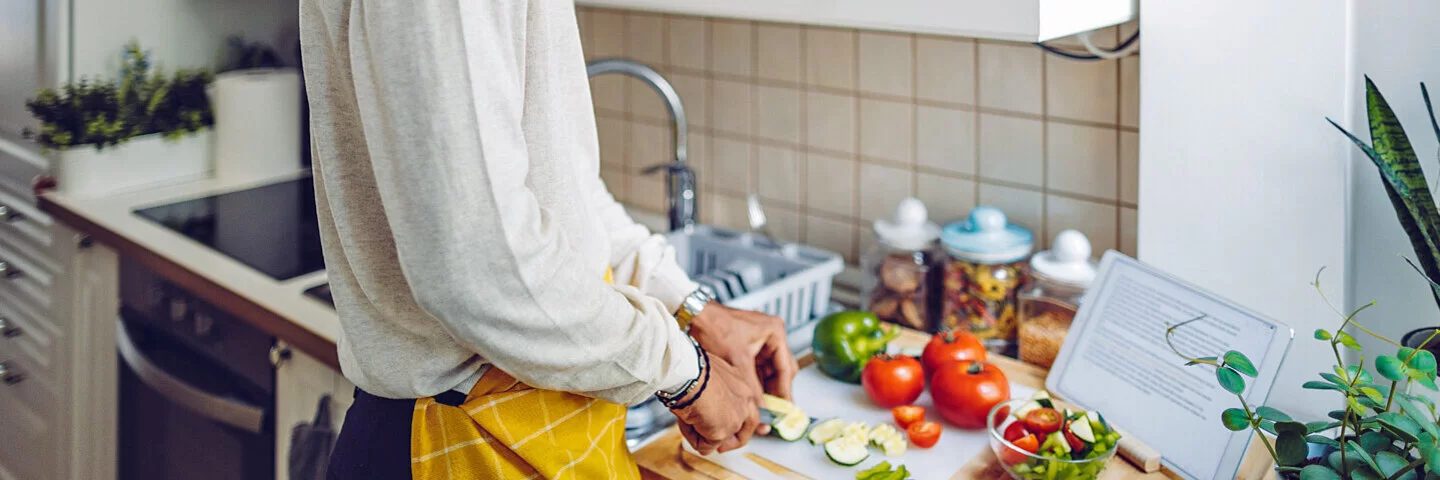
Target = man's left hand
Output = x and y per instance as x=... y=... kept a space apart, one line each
x=751 y=341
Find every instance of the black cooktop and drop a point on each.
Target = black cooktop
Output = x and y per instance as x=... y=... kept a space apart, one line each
x=272 y=228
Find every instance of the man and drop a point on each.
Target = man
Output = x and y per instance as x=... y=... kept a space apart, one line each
x=471 y=245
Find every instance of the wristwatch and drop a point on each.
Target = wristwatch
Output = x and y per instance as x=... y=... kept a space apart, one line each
x=691 y=307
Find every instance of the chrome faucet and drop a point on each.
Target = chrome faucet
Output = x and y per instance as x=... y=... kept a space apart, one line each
x=679 y=178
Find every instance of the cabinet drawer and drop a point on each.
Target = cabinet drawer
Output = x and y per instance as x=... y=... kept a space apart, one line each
x=35 y=314
x=27 y=263
x=22 y=336
x=30 y=439
x=29 y=387
x=23 y=224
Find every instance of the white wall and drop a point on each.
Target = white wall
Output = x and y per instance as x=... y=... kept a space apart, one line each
x=1243 y=184
x=179 y=33
x=1394 y=43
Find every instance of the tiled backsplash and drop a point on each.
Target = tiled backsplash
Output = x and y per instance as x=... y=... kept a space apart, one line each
x=832 y=127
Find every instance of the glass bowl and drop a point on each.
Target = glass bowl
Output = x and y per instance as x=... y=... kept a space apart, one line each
x=1023 y=465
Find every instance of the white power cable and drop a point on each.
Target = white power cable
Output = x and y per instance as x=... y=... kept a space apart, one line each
x=1103 y=53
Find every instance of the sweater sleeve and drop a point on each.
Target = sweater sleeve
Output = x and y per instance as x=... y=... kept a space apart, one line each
x=439 y=86
x=641 y=259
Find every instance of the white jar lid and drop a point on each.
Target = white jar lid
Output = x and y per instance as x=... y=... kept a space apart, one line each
x=1067 y=260
x=910 y=229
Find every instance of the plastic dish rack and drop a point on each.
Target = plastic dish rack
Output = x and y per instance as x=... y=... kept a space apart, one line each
x=793 y=280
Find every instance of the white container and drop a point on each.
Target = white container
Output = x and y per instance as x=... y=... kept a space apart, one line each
x=142 y=162
x=796 y=279
x=257 y=123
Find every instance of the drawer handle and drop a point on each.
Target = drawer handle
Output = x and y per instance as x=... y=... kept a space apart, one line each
x=9 y=271
x=8 y=376
x=7 y=330
x=9 y=214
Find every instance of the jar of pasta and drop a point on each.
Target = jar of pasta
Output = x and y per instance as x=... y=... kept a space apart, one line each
x=898 y=284
x=984 y=272
x=1058 y=278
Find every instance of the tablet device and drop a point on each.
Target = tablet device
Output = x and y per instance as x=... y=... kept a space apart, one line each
x=1115 y=361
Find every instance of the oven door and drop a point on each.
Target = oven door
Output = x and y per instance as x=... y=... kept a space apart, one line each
x=185 y=416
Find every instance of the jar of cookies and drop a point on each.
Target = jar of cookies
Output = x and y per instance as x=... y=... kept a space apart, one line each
x=899 y=280
x=1059 y=277
x=984 y=272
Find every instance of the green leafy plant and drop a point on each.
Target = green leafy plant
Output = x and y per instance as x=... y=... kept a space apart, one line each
x=244 y=55
x=143 y=101
x=1383 y=431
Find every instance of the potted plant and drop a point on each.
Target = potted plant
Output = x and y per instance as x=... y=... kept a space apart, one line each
x=142 y=129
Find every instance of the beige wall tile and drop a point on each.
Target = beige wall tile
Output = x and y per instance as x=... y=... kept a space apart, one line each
x=688 y=47
x=948 y=199
x=778 y=172
x=778 y=115
x=694 y=96
x=648 y=193
x=945 y=69
x=1081 y=90
x=1011 y=77
x=1025 y=208
x=1130 y=91
x=729 y=211
x=608 y=92
x=607 y=35
x=887 y=63
x=1129 y=167
x=830 y=121
x=1128 y=240
x=784 y=223
x=945 y=139
x=1011 y=149
x=828 y=234
x=645 y=39
x=867 y=240
x=614 y=183
x=779 y=52
x=649 y=145
x=881 y=189
x=1083 y=160
x=730 y=165
x=887 y=130
x=830 y=184
x=731 y=47
x=1096 y=220
x=830 y=57
x=644 y=102
x=731 y=106
x=614 y=134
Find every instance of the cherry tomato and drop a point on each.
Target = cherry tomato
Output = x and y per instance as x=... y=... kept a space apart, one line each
x=1011 y=456
x=906 y=415
x=1043 y=420
x=1074 y=441
x=964 y=392
x=1001 y=415
x=924 y=434
x=892 y=381
x=1015 y=431
x=951 y=346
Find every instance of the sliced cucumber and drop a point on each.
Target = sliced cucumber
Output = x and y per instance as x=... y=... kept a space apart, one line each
x=1083 y=431
x=894 y=446
x=881 y=433
x=778 y=405
x=1027 y=407
x=826 y=431
x=1055 y=442
x=792 y=426
x=1045 y=402
x=845 y=451
x=1097 y=422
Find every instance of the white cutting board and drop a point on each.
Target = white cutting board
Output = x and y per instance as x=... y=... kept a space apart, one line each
x=822 y=397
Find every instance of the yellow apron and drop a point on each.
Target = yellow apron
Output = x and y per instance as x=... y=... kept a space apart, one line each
x=506 y=429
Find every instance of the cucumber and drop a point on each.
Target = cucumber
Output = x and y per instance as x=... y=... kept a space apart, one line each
x=1083 y=431
x=881 y=433
x=894 y=446
x=826 y=431
x=1045 y=402
x=845 y=451
x=778 y=405
x=792 y=426
x=1027 y=407
x=1055 y=442
x=1097 y=422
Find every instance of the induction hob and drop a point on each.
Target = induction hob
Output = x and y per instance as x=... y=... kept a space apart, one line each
x=272 y=228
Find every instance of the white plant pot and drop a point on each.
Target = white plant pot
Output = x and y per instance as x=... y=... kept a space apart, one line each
x=257 y=123
x=143 y=162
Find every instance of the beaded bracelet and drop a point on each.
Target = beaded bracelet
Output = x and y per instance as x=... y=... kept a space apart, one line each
x=690 y=389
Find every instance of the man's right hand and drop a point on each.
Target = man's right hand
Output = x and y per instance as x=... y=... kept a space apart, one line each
x=727 y=412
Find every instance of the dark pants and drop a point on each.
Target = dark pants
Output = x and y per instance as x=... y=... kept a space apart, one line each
x=374 y=442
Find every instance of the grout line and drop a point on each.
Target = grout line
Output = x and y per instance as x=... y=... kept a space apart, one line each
x=914 y=117
x=1044 y=238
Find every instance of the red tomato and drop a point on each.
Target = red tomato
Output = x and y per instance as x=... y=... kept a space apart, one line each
x=906 y=415
x=924 y=434
x=1015 y=431
x=892 y=381
x=964 y=392
x=1043 y=420
x=1027 y=443
x=951 y=346
x=1001 y=415
x=1074 y=441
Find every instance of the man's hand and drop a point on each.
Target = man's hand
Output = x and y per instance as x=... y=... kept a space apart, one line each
x=727 y=412
x=752 y=342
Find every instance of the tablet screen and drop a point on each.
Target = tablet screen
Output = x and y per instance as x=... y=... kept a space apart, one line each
x=1122 y=367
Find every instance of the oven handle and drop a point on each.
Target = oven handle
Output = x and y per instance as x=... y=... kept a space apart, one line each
x=228 y=411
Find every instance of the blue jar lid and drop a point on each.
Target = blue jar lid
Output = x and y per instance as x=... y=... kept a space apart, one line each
x=986 y=237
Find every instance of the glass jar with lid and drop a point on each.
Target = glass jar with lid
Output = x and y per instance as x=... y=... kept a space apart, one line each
x=984 y=271
x=1059 y=277
x=899 y=278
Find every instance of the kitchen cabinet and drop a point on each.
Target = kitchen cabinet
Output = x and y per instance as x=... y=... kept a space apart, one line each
x=1016 y=20
x=300 y=381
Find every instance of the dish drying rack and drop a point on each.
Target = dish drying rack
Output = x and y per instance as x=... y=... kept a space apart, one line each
x=751 y=272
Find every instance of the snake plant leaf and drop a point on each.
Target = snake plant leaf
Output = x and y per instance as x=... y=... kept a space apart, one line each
x=1430 y=110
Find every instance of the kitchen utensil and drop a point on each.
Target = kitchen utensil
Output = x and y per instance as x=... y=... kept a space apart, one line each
x=757 y=218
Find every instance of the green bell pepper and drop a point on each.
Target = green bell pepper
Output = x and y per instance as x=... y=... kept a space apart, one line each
x=844 y=341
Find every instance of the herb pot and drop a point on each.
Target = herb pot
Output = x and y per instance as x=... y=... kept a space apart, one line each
x=142 y=162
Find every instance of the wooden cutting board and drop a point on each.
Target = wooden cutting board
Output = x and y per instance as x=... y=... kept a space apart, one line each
x=667 y=457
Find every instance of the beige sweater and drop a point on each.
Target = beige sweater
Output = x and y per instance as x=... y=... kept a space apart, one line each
x=461 y=207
